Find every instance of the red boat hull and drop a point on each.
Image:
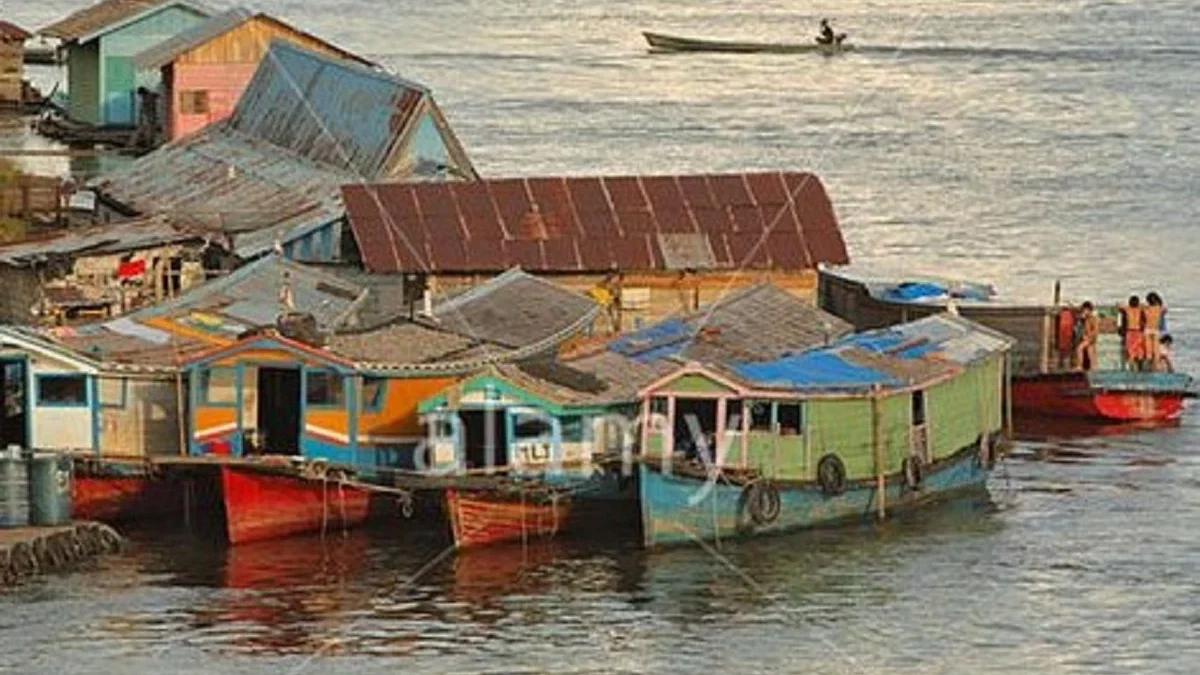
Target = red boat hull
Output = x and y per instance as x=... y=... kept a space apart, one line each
x=261 y=505
x=117 y=498
x=478 y=519
x=1073 y=396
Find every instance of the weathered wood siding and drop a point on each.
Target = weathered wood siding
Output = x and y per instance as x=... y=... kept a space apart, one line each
x=12 y=56
x=83 y=82
x=22 y=290
x=139 y=417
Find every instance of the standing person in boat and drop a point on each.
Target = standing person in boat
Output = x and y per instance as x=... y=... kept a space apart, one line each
x=1085 y=351
x=1155 y=325
x=1133 y=324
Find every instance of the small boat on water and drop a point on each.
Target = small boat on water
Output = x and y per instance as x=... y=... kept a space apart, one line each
x=1044 y=379
x=874 y=423
x=660 y=43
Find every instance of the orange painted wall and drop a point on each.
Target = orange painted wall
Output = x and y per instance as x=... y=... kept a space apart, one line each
x=398 y=415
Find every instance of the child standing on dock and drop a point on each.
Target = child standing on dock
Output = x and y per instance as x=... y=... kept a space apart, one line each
x=1155 y=325
x=1133 y=322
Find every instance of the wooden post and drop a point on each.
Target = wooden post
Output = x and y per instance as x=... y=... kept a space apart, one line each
x=1008 y=404
x=1047 y=328
x=180 y=411
x=745 y=441
x=877 y=447
x=719 y=436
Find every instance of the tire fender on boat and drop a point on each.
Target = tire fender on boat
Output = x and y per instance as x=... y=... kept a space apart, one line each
x=831 y=474
x=761 y=500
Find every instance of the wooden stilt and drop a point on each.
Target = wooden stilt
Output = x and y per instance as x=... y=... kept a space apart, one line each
x=880 y=462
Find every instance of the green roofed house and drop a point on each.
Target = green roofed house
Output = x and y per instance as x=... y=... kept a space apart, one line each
x=100 y=42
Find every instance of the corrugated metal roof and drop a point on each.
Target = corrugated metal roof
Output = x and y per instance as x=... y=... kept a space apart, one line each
x=894 y=357
x=11 y=32
x=167 y=51
x=227 y=180
x=140 y=234
x=754 y=324
x=781 y=221
x=334 y=112
x=108 y=15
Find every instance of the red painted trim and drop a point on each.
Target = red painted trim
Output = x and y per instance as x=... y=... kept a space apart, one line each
x=114 y=498
x=261 y=505
x=1071 y=396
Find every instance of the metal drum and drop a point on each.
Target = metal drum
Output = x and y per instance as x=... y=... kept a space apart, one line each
x=49 y=489
x=14 y=489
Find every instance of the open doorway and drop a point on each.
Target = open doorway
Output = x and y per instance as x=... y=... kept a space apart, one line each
x=14 y=404
x=279 y=410
x=485 y=439
x=695 y=426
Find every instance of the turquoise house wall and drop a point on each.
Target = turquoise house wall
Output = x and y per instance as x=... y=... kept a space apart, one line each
x=118 y=78
x=83 y=82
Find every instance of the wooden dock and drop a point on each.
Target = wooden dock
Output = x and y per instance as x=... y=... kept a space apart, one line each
x=29 y=551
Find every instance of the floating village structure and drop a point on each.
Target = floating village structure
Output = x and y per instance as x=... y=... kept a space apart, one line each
x=205 y=69
x=100 y=42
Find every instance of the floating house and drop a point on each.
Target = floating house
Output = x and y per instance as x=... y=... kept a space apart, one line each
x=102 y=272
x=350 y=400
x=563 y=430
x=205 y=69
x=875 y=422
x=651 y=246
x=271 y=174
x=12 y=63
x=100 y=42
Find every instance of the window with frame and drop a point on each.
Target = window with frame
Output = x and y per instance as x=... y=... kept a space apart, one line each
x=324 y=388
x=760 y=416
x=532 y=426
x=218 y=386
x=790 y=418
x=573 y=428
x=734 y=409
x=193 y=102
x=374 y=389
x=62 y=390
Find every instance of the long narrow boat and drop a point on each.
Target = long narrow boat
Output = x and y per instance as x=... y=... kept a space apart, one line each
x=873 y=424
x=1044 y=381
x=660 y=43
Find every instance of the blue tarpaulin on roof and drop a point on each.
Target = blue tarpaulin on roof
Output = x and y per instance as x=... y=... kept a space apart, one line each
x=915 y=290
x=654 y=342
x=824 y=368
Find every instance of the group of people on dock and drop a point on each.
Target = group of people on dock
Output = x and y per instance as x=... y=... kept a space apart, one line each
x=1145 y=344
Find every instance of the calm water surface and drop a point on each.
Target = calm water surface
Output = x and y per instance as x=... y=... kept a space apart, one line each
x=1017 y=142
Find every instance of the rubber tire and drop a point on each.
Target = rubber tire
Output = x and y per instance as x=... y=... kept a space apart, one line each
x=831 y=474
x=762 y=503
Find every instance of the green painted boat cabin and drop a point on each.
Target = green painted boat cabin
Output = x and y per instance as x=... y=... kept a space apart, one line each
x=929 y=389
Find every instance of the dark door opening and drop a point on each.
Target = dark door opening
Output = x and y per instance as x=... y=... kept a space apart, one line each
x=486 y=438
x=279 y=410
x=14 y=405
x=695 y=426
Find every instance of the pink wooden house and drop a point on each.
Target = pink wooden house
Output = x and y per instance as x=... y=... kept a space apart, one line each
x=205 y=69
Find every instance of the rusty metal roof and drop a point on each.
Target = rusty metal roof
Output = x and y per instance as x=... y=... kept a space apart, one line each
x=106 y=15
x=779 y=221
x=306 y=124
x=11 y=32
x=167 y=51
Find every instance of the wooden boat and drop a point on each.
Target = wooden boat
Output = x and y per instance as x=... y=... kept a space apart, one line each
x=261 y=504
x=660 y=43
x=116 y=491
x=483 y=518
x=874 y=423
x=1043 y=379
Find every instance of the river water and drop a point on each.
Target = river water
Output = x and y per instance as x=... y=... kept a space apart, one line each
x=1016 y=142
